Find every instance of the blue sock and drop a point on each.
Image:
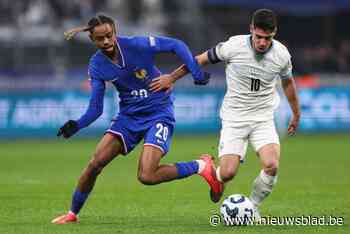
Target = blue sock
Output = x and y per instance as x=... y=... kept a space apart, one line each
x=186 y=169
x=78 y=201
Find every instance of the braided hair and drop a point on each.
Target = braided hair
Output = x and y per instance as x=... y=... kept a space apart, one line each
x=93 y=22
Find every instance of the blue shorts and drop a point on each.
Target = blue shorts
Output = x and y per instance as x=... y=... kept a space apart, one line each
x=156 y=131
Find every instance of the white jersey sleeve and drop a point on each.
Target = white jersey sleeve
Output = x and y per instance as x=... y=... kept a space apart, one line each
x=286 y=71
x=226 y=50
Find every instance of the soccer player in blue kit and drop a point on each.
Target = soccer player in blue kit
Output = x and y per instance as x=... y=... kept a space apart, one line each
x=128 y=64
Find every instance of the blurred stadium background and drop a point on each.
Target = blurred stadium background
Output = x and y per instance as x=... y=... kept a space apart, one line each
x=43 y=83
x=43 y=78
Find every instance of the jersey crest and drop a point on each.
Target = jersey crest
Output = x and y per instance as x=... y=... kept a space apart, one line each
x=140 y=74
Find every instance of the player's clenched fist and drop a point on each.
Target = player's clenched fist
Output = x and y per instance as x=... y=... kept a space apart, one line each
x=68 y=129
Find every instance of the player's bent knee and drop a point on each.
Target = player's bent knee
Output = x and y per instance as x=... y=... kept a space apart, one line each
x=227 y=174
x=147 y=178
x=271 y=167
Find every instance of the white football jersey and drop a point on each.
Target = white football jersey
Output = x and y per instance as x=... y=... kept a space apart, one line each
x=252 y=79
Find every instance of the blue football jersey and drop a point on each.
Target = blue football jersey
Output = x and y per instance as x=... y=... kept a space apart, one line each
x=132 y=75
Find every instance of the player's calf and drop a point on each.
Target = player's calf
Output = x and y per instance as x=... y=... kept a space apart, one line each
x=262 y=187
x=88 y=177
x=95 y=167
x=267 y=178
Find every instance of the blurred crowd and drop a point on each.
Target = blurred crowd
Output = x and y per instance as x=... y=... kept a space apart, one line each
x=187 y=20
x=36 y=12
x=323 y=58
x=56 y=12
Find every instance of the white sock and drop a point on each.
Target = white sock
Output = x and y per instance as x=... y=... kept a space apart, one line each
x=201 y=165
x=262 y=187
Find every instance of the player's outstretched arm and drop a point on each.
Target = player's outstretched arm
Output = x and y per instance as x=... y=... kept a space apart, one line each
x=166 y=44
x=95 y=110
x=290 y=91
x=167 y=80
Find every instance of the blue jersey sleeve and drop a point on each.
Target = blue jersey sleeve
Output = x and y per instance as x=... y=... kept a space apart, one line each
x=95 y=108
x=166 y=44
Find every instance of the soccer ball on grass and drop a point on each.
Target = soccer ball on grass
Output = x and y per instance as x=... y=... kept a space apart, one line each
x=237 y=209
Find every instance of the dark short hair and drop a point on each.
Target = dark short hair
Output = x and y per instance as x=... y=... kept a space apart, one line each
x=264 y=19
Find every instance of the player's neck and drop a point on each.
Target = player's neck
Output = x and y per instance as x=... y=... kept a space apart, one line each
x=113 y=55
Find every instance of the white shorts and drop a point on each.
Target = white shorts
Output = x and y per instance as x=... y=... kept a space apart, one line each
x=234 y=136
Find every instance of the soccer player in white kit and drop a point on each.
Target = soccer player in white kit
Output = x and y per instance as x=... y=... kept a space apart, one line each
x=254 y=64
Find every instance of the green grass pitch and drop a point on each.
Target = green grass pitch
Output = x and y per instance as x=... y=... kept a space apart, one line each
x=37 y=178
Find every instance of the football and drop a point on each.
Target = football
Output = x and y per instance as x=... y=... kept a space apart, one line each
x=237 y=209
